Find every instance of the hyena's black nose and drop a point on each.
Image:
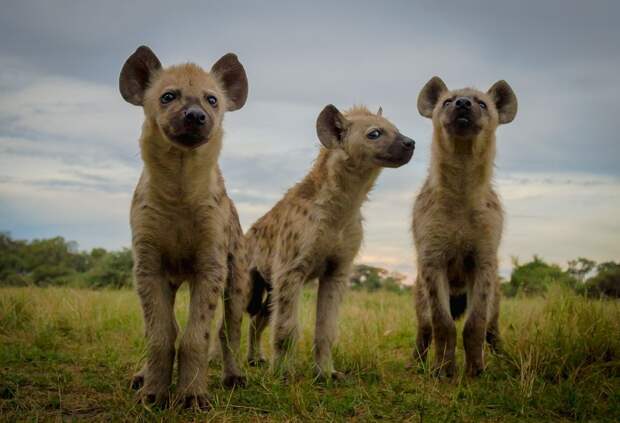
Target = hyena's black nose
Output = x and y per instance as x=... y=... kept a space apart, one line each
x=408 y=142
x=463 y=103
x=194 y=115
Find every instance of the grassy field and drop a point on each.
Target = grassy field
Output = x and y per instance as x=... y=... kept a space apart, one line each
x=69 y=354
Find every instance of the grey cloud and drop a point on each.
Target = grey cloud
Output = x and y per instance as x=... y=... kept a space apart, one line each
x=60 y=62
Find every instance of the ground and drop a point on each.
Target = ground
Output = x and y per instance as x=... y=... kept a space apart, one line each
x=68 y=354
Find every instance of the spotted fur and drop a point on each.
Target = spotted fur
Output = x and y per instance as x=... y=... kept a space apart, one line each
x=316 y=231
x=184 y=226
x=457 y=224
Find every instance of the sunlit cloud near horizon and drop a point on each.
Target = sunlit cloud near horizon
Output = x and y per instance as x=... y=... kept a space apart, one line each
x=69 y=156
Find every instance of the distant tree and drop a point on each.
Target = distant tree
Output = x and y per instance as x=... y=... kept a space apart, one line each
x=606 y=282
x=372 y=278
x=580 y=268
x=56 y=261
x=367 y=277
x=394 y=282
x=535 y=277
x=97 y=253
x=112 y=270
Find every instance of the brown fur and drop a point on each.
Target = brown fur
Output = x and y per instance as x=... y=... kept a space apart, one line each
x=457 y=224
x=315 y=231
x=184 y=226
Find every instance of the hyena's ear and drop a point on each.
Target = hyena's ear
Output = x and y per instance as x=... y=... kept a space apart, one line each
x=505 y=101
x=136 y=74
x=331 y=126
x=427 y=99
x=234 y=80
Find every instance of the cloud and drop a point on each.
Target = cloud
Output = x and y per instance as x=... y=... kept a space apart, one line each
x=69 y=154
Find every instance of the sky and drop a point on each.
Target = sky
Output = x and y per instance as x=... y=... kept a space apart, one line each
x=69 y=155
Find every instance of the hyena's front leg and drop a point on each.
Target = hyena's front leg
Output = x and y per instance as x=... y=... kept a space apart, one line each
x=137 y=380
x=444 y=329
x=205 y=290
x=157 y=298
x=285 y=303
x=331 y=291
x=235 y=299
x=474 y=331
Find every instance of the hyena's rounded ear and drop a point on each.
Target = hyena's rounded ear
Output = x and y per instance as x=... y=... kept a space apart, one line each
x=136 y=74
x=428 y=97
x=331 y=126
x=505 y=101
x=231 y=75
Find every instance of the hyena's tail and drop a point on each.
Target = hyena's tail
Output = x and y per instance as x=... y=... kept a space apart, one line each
x=258 y=286
x=458 y=305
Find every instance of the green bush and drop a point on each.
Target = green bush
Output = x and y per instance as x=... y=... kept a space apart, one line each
x=371 y=278
x=112 y=270
x=535 y=278
x=57 y=262
x=606 y=283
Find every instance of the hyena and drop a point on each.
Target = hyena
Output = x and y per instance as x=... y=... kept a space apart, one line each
x=457 y=223
x=315 y=231
x=184 y=226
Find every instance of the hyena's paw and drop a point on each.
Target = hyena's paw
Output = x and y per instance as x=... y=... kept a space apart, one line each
x=234 y=380
x=137 y=381
x=474 y=369
x=328 y=377
x=444 y=370
x=495 y=344
x=153 y=399
x=285 y=375
x=282 y=368
x=196 y=401
x=337 y=376
x=257 y=362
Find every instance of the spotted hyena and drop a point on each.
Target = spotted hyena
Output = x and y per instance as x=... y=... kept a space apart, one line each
x=184 y=226
x=457 y=223
x=315 y=231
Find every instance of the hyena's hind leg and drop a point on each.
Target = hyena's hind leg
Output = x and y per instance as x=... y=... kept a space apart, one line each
x=286 y=295
x=492 y=334
x=259 y=322
x=425 y=326
x=234 y=300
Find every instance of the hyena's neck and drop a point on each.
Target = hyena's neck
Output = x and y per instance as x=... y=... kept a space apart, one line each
x=177 y=175
x=343 y=185
x=467 y=176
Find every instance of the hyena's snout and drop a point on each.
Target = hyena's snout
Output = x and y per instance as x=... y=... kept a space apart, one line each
x=194 y=117
x=190 y=127
x=399 y=152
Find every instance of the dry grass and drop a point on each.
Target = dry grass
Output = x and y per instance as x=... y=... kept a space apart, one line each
x=69 y=354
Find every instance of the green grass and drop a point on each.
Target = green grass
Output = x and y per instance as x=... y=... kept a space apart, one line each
x=69 y=354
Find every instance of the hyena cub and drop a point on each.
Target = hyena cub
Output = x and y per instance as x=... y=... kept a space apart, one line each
x=315 y=231
x=184 y=226
x=457 y=223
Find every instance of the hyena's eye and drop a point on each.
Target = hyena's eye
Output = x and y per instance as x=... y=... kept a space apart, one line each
x=447 y=102
x=482 y=104
x=212 y=100
x=167 y=97
x=374 y=134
